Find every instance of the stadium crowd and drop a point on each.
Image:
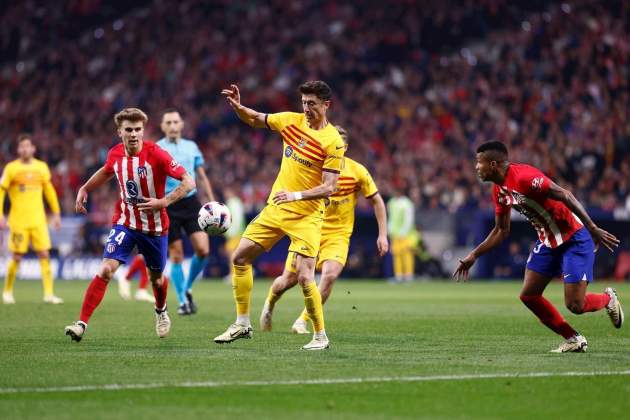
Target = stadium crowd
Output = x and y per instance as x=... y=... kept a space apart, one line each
x=418 y=88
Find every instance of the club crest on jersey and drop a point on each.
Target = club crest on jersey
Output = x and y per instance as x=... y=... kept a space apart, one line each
x=537 y=183
x=111 y=248
x=142 y=172
x=288 y=151
x=132 y=189
x=302 y=142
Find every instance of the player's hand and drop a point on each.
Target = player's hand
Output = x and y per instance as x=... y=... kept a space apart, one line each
x=3 y=222
x=286 y=197
x=79 y=206
x=602 y=237
x=56 y=221
x=464 y=267
x=152 y=204
x=382 y=245
x=232 y=95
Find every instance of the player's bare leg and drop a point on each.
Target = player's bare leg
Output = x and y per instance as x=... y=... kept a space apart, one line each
x=281 y=284
x=242 y=283
x=579 y=302
x=305 y=267
x=160 y=287
x=93 y=297
x=201 y=247
x=331 y=270
x=531 y=295
x=9 y=281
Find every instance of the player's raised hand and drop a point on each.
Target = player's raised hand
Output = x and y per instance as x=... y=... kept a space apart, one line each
x=463 y=268
x=602 y=237
x=232 y=95
x=152 y=204
x=79 y=205
x=382 y=245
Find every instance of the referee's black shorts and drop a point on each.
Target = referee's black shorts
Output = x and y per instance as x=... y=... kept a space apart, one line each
x=183 y=215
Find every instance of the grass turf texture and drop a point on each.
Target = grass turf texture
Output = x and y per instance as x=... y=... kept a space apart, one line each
x=376 y=330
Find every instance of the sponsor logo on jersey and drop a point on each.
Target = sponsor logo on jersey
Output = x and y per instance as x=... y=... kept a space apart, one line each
x=174 y=164
x=132 y=189
x=288 y=151
x=537 y=183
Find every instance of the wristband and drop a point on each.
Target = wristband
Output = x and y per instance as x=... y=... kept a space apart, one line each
x=297 y=196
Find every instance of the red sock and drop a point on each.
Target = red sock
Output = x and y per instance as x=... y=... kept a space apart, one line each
x=144 y=277
x=137 y=264
x=595 y=301
x=160 y=294
x=93 y=297
x=548 y=315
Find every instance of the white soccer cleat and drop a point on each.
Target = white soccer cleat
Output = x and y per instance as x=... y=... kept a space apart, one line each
x=615 y=312
x=319 y=342
x=143 y=296
x=7 y=298
x=575 y=344
x=265 y=319
x=76 y=331
x=234 y=332
x=52 y=299
x=300 y=327
x=162 y=323
x=124 y=288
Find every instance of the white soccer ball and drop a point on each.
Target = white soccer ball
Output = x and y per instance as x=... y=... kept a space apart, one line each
x=214 y=218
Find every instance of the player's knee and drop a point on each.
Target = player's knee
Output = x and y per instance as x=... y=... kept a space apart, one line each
x=575 y=306
x=177 y=258
x=106 y=272
x=17 y=257
x=42 y=254
x=202 y=253
x=240 y=259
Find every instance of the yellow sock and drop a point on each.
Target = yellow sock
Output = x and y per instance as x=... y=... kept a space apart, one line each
x=242 y=283
x=12 y=269
x=408 y=262
x=47 y=279
x=305 y=316
x=272 y=298
x=313 y=304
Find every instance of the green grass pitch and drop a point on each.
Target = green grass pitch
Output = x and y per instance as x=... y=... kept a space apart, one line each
x=432 y=350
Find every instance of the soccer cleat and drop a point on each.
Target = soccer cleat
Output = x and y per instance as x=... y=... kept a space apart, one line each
x=184 y=309
x=615 y=312
x=143 y=296
x=265 y=319
x=300 y=327
x=319 y=342
x=191 y=303
x=575 y=344
x=7 y=298
x=52 y=299
x=76 y=331
x=124 y=288
x=234 y=332
x=162 y=323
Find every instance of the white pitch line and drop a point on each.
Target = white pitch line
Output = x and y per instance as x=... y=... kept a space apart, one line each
x=337 y=381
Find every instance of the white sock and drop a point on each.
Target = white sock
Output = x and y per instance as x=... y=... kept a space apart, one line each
x=243 y=320
x=320 y=334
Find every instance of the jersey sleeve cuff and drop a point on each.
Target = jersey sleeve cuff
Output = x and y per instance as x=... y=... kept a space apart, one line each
x=371 y=195
x=335 y=171
x=267 y=122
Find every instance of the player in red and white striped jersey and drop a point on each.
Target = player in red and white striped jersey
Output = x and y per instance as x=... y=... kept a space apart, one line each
x=565 y=246
x=140 y=219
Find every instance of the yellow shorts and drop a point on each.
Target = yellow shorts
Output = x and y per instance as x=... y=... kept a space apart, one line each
x=273 y=222
x=20 y=238
x=333 y=246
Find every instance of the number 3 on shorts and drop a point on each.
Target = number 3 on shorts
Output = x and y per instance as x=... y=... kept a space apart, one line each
x=119 y=238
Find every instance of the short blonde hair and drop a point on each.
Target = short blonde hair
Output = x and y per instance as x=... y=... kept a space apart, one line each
x=130 y=114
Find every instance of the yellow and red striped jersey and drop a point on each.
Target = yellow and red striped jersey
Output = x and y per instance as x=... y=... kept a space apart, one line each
x=306 y=153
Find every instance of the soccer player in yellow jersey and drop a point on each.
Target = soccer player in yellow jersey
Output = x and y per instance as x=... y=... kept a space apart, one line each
x=25 y=179
x=313 y=154
x=335 y=240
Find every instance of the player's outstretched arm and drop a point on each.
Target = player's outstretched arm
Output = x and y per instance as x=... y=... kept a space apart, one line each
x=500 y=231
x=247 y=115
x=99 y=178
x=323 y=190
x=380 y=211
x=600 y=236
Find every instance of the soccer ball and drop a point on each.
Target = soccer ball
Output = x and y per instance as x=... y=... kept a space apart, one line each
x=214 y=218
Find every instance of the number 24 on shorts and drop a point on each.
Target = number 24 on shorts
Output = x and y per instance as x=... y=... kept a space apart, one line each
x=118 y=238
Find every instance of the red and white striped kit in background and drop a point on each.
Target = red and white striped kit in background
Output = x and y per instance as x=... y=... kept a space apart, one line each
x=525 y=189
x=141 y=176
